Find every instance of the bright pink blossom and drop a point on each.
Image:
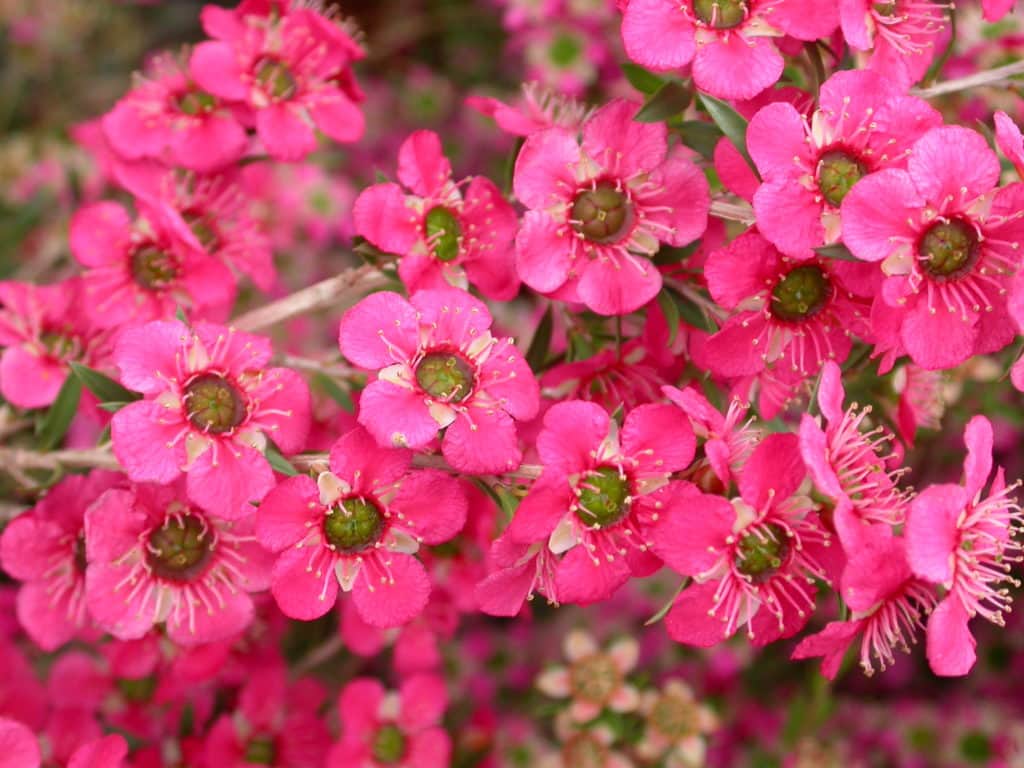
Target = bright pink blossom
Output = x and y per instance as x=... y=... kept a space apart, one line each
x=949 y=243
x=358 y=526
x=965 y=541
x=901 y=36
x=753 y=560
x=539 y=109
x=601 y=209
x=290 y=66
x=518 y=571
x=442 y=235
x=210 y=405
x=600 y=491
x=439 y=367
x=45 y=549
x=863 y=123
x=18 y=746
x=154 y=558
x=393 y=728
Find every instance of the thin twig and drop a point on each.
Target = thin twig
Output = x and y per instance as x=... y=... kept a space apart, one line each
x=100 y=458
x=733 y=211
x=988 y=77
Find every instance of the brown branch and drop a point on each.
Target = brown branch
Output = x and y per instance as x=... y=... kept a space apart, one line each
x=988 y=77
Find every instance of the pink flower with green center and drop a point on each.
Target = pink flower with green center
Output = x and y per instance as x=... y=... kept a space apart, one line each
x=210 y=405
x=438 y=367
x=357 y=527
x=900 y=36
x=966 y=541
x=601 y=208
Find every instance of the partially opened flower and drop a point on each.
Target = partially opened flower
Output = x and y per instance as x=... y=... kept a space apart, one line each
x=439 y=367
x=357 y=527
x=965 y=541
x=600 y=209
x=444 y=235
x=210 y=404
x=538 y=109
x=155 y=558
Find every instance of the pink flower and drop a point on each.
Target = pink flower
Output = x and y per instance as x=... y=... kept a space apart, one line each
x=104 y=752
x=728 y=41
x=154 y=558
x=754 y=560
x=847 y=466
x=442 y=236
x=141 y=271
x=517 y=572
x=210 y=405
x=45 y=549
x=439 y=367
x=539 y=109
x=44 y=328
x=790 y=315
x=600 y=492
x=166 y=117
x=887 y=601
x=18 y=746
x=600 y=210
x=922 y=399
x=594 y=678
x=900 y=35
x=949 y=244
x=1010 y=141
x=386 y=728
x=289 y=65
x=358 y=526
x=863 y=123
x=965 y=541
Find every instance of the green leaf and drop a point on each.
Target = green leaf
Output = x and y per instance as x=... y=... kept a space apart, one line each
x=537 y=354
x=836 y=251
x=668 y=254
x=278 y=462
x=669 y=100
x=644 y=81
x=692 y=313
x=333 y=390
x=113 y=406
x=670 y=309
x=179 y=314
x=732 y=123
x=105 y=388
x=663 y=611
x=54 y=424
x=700 y=136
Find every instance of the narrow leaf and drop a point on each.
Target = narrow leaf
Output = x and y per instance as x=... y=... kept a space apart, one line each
x=333 y=390
x=732 y=123
x=691 y=312
x=669 y=100
x=671 y=312
x=113 y=406
x=644 y=81
x=701 y=137
x=537 y=354
x=278 y=462
x=663 y=611
x=54 y=425
x=836 y=251
x=668 y=254
x=105 y=388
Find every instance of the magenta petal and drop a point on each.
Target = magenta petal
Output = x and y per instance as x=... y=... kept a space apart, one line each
x=504 y=592
x=18 y=746
x=876 y=210
x=691 y=531
x=483 y=440
x=147 y=356
x=213 y=143
x=396 y=416
x=613 y=139
x=283 y=514
x=543 y=174
x=112 y=604
x=284 y=132
x=658 y=438
x=337 y=116
x=45 y=616
x=107 y=752
x=931 y=531
x=657 y=34
x=689 y=621
x=789 y=215
x=231 y=615
x=506 y=377
x=379 y=331
x=1010 y=141
x=814 y=450
x=304 y=584
x=572 y=431
x=422 y=166
x=226 y=477
x=30 y=380
x=423 y=700
x=543 y=252
x=952 y=158
x=830 y=392
x=831 y=644
x=940 y=339
x=774 y=470
x=777 y=139
x=360 y=461
x=681 y=204
x=214 y=66
x=432 y=504
x=395 y=600
x=978 y=464
x=950 y=643
x=382 y=217
x=100 y=233
x=580 y=581
x=734 y=350
x=148 y=441
x=29 y=547
x=618 y=285
x=284 y=413
x=736 y=67
x=806 y=19
x=539 y=512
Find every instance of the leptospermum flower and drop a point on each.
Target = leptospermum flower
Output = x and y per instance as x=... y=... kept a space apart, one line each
x=439 y=367
x=790 y=315
x=754 y=560
x=166 y=117
x=394 y=728
x=154 y=558
x=965 y=541
x=141 y=271
x=948 y=241
x=538 y=109
x=901 y=36
x=45 y=549
x=599 y=210
x=600 y=491
x=289 y=65
x=675 y=725
x=210 y=404
x=442 y=235
x=863 y=123
x=847 y=464
x=358 y=526
x=728 y=41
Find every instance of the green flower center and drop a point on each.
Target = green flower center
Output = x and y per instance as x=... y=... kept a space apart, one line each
x=674 y=717
x=213 y=404
x=603 y=214
x=761 y=553
x=195 y=102
x=153 y=267
x=720 y=14
x=446 y=376
x=838 y=171
x=594 y=678
x=180 y=549
x=203 y=228
x=603 y=498
x=388 y=744
x=886 y=9
x=565 y=50
x=276 y=79
x=353 y=525
x=801 y=294
x=260 y=751
x=443 y=232
x=948 y=250
x=584 y=751
x=137 y=689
